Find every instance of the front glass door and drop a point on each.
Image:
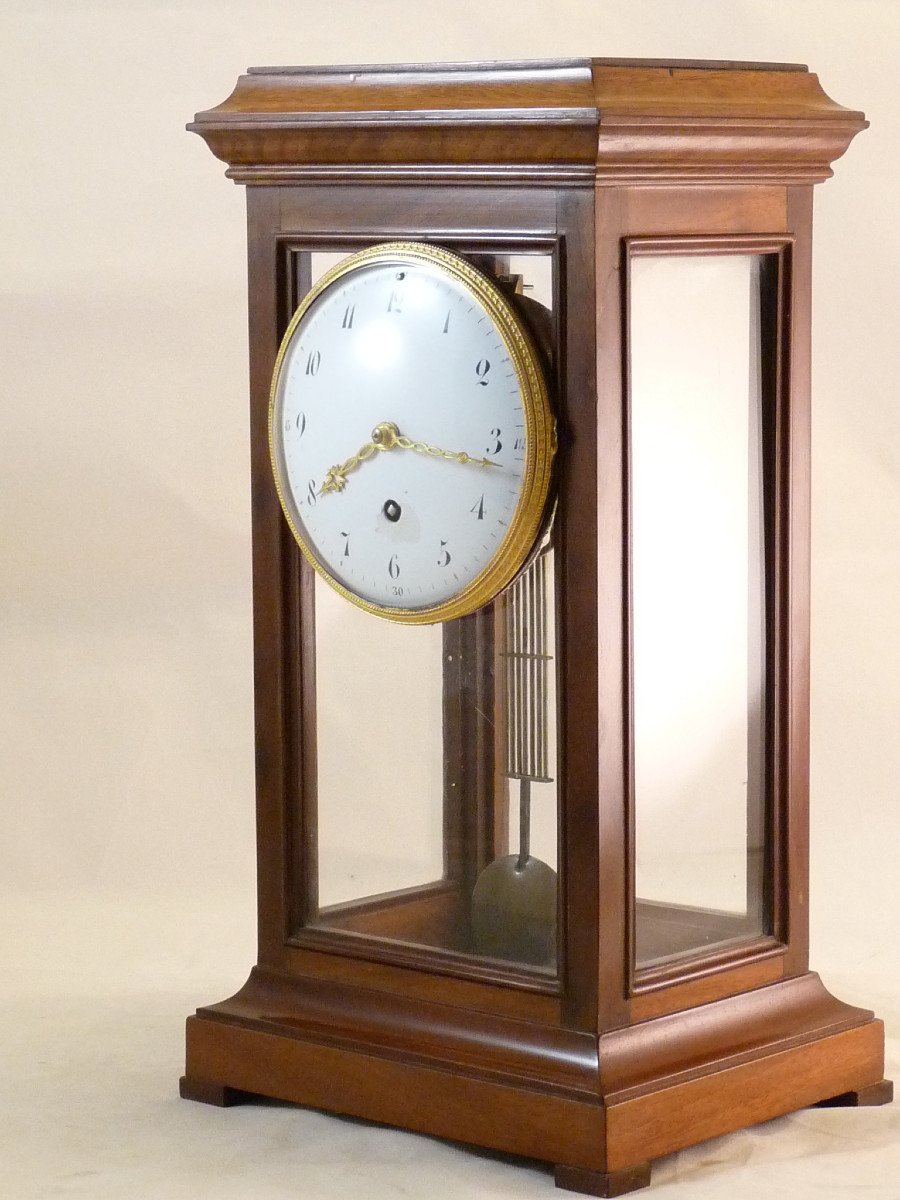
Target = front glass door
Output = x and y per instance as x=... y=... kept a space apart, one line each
x=430 y=791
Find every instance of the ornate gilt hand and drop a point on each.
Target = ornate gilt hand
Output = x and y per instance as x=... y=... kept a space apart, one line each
x=336 y=477
x=387 y=436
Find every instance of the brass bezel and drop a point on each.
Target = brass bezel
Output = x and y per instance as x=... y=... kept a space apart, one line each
x=540 y=434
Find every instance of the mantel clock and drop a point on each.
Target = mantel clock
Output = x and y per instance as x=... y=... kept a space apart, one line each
x=530 y=468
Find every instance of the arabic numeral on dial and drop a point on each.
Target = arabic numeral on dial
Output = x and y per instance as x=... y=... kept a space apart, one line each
x=393 y=567
x=519 y=444
x=313 y=363
x=311 y=493
x=481 y=370
x=346 y=537
x=395 y=304
x=478 y=508
x=495 y=433
x=444 y=560
x=349 y=312
x=300 y=423
x=396 y=591
x=446 y=328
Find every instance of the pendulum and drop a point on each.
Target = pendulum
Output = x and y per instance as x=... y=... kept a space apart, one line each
x=514 y=900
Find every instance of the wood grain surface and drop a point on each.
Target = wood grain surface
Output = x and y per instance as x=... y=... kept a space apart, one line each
x=372 y=1008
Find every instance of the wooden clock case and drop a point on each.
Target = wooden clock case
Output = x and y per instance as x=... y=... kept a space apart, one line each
x=606 y=1066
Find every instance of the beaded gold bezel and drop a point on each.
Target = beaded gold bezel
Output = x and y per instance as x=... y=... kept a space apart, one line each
x=540 y=434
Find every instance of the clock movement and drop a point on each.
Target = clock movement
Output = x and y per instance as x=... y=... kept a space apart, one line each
x=529 y=386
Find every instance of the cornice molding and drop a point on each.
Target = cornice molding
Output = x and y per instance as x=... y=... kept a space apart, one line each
x=529 y=123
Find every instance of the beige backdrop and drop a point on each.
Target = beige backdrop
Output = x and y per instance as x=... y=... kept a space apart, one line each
x=126 y=862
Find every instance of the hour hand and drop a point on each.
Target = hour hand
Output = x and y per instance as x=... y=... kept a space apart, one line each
x=384 y=437
x=336 y=477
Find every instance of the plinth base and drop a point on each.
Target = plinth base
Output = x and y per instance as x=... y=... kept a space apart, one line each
x=599 y=1109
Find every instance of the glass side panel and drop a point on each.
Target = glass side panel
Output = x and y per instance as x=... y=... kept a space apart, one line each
x=437 y=802
x=698 y=601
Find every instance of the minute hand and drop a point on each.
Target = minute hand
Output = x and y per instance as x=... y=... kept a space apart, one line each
x=459 y=456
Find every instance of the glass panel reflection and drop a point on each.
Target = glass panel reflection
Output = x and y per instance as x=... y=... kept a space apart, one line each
x=698 y=597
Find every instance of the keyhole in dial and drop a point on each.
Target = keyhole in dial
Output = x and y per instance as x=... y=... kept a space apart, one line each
x=392 y=510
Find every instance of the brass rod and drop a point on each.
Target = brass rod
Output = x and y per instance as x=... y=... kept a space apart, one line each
x=524 y=823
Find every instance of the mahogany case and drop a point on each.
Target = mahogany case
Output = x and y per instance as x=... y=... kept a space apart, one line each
x=606 y=1066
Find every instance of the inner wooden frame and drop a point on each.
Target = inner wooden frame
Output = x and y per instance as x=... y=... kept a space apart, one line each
x=734 y=940
x=418 y=925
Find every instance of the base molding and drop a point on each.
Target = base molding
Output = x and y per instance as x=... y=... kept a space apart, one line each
x=442 y=1103
x=695 y=1110
x=659 y=1086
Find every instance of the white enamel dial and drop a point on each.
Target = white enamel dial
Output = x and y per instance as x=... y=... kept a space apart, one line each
x=404 y=434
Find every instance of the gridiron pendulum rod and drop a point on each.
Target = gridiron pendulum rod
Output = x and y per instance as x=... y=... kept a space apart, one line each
x=526 y=690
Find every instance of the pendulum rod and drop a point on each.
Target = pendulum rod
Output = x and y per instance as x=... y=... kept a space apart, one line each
x=526 y=689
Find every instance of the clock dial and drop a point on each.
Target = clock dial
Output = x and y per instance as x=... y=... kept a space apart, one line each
x=411 y=436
